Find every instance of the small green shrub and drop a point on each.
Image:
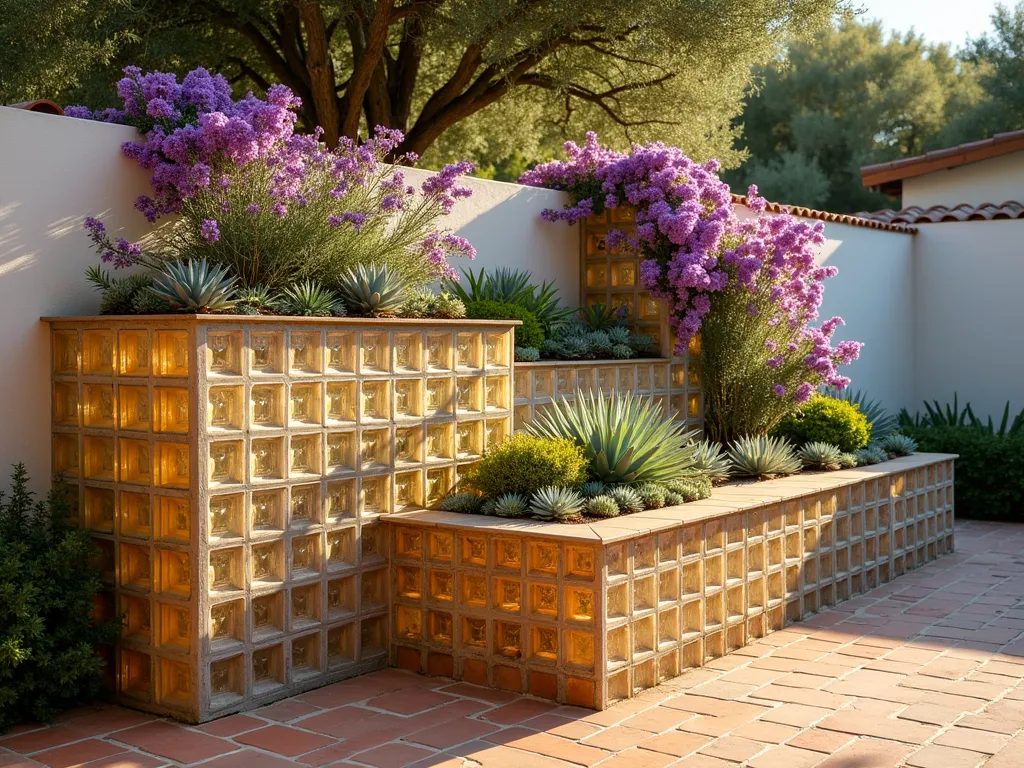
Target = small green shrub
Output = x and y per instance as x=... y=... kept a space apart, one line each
x=691 y=489
x=529 y=334
x=652 y=494
x=826 y=420
x=524 y=464
x=119 y=295
x=527 y=354
x=627 y=499
x=763 y=457
x=898 y=445
x=847 y=461
x=465 y=503
x=602 y=506
x=882 y=422
x=309 y=298
x=48 y=636
x=511 y=505
x=426 y=304
x=513 y=286
x=820 y=456
x=673 y=499
x=552 y=503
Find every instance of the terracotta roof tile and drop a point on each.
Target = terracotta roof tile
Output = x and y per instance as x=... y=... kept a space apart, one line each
x=858 y=220
x=39 y=105
x=915 y=214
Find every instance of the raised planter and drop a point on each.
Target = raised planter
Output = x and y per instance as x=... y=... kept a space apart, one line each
x=235 y=471
x=590 y=614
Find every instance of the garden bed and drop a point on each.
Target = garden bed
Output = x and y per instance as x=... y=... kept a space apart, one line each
x=590 y=614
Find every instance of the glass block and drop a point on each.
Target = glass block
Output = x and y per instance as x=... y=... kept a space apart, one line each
x=173 y=519
x=373 y=589
x=375 y=404
x=267 y=511
x=268 y=562
x=175 y=683
x=98 y=405
x=341 y=597
x=469 y=394
x=304 y=455
x=409 y=543
x=597 y=244
x=266 y=352
x=99 y=509
x=623 y=274
x=440 y=626
x=138 y=624
x=227 y=679
x=172 y=353
x=97 y=353
x=341 y=499
x=174 y=627
x=496 y=431
x=224 y=352
x=543 y=558
x=408 y=352
x=597 y=275
x=468 y=352
x=341 y=449
x=624 y=305
x=171 y=412
x=65 y=455
x=374 y=496
x=134 y=509
x=267 y=668
x=473 y=590
x=65 y=403
x=267 y=458
x=226 y=461
x=267 y=615
x=341 y=548
x=579 y=561
x=226 y=516
x=305 y=656
x=441 y=548
x=304 y=404
x=606 y=380
x=133 y=353
x=136 y=461
x=565 y=382
x=408 y=398
x=408 y=488
x=373 y=356
x=408 y=622
x=544 y=599
x=305 y=555
x=267 y=409
x=496 y=349
x=373 y=636
x=496 y=393
x=408 y=445
x=580 y=648
x=474 y=632
x=441 y=586
x=439 y=396
x=172 y=465
x=508 y=554
x=580 y=604
x=341 y=645
x=543 y=642
x=693 y=409
x=439 y=442
x=508 y=595
x=65 y=352
x=224 y=410
x=135 y=676
x=175 y=572
x=341 y=352
x=304 y=355
x=543 y=383
x=227 y=623
x=341 y=402
x=136 y=567
x=648 y=309
x=469 y=439
x=226 y=569
x=439 y=351
x=508 y=639
x=374 y=448
x=305 y=505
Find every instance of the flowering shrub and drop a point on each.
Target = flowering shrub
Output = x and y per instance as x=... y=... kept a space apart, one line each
x=272 y=205
x=750 y=288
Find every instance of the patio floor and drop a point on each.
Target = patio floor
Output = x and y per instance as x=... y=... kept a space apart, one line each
x=925 y=671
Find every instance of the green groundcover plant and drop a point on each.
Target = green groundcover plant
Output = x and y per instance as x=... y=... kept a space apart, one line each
x=48 y=633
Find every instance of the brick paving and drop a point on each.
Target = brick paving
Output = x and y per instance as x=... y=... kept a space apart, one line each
x=925 y=672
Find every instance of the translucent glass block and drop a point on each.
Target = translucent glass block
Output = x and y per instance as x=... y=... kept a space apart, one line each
x=175 y=572
x=341 y=352
x=597 y=245
x=373 y=353
x=660 y=378
x=580 y=649
x=440 y=627
x=374 y=449
x=469 y=394
x=408 y=622
x=138 y=622
x=306 y=656
x=268 y=562
x=586 y=380
x=99 y=457
x=372 y=544
x=373 y=589
x=627 y=378
x=469 y=438
x=98 y=405
x=693 y=409
x=341 y=597
x=99 y=509
x=508 y=595
x=134 y=351
x=375 y=402
x=267 y=511
x=496 y=430
x=408 y=352
x=175 y=683
x=305 y=605
x=304 y=354
x=172 y=465
x=65 y=455
x=267 y=405
x=408 y=445
x=438 y=351
x=341 y=549
x=544 y=599
x=606 y=380
x=226 y=569
x=468 y=352
x=543 y=558
x=543 y=383
x=174 y=627
x=474 y=632
x=224 y=352
x=408 y=486
x=65 y=352
x=496 y=393
x=305 y=505
x=226 y=461
x=226 y=516
x=523 y=385
x=623 y=273
x=65 y=403
x=341 y=500
x=439 y=482
x=135 y=512
x=341 y=645
x=496 y=350
x=136 y=567
x=171 y=413
x=624 y=305
x=267 y=459
x=267 y=615
x=544 y=642
x=439 y=442
x=267 y=668
x=225 y=409
x=374 y=496
x=98 y=353
x=227 y=623
x=408 y=398
x=439 y=396
x=341 y=401
x=304 y=404
x=305 y=555
x=174 y=521
x=135 y=675
x=134 y=406
x=579 y=561
x=266 y=352
x=341 y=451
x=227 y=678
x=304 y=455
x=172 y=353
x=597 y=275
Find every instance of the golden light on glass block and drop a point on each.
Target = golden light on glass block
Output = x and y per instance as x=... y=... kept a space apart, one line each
x=175 y=627
x=266 y=406
x=98 y=353
x=408 y=398
x=65 y=352
x=496 y=393
x=496 y=350
x=341 y=548
x=226 y=514
x=136 y=568
x=374 y=449
x=469 y=439
x=267 y=511
x=543 y=599
x=138 y=622
x=136 y=463
x=65 y=455
x=268 y=562
x=439 y=482
x=341 y=500
x=304 y=455
x=439 y=396
x=438 y=351
x=225 y=410
x=373 y=496
x=175 y=683
x=441 y=627
x=172 y=465
x=171 y=353
x=304 y=505
x=134 y=351
x=226 y=462
x=266 y=351
x=227 y=623
x=408 y=349
x=135 y=512
x=304 y=404
x=373 y=356
x=468 y=352
x=226 y=569
x=508 y=595
x=99 y=458
x=305 y=555
x=99 y=509
x=474 y=632
x=224 y=352
x=65 y=404
x=341 y=451
x=175 y=577
x=408 y=487
x=304 y=352
x=544 y=642
x=375 y=400
x=408 y=622
x=439 y=443
x=267 y=458
x=441 y=587
x=267 y=615
x=98 y=405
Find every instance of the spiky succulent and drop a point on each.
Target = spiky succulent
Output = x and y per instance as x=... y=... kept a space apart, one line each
x=652 y=494
x=764 y=457
x=465 y=503
x=673 y=499
x=417 y=304
x=426 y=304
x=310 y=298
x=870 y=455
x=599 y=343
x=626 y=436
x=371 y=289
x=195 y=286
x=712 y=461
x=447 y=306
x=511 y=505
x=556 y=504
x=898 y=445
x=119 y=294
x=641 y=343
x=847 y=461
x=819 y=455
x=602 y=506
x=627 y=499
x=527 y=354
x=255 y=300
x=622 y=351
x=593 y=488
x=600 y=316
x=690 y=488
x=618 y=334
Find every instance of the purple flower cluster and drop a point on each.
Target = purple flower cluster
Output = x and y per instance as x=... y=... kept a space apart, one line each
x=119 y=253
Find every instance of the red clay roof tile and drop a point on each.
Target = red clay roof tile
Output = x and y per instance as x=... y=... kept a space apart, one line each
x=915 y=214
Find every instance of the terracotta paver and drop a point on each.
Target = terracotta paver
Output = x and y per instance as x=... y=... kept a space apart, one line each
x=284 y=740
x=79 y=753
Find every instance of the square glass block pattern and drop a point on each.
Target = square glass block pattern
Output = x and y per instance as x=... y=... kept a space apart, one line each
x=237 y=475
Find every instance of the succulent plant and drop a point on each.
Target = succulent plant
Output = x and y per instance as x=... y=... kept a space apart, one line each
x=448 y=307
x=712 y=460
x=599 y=344
x=641 y=343
x=898 y=445
x=527 y=354
x=309 y=299
x=513 y=285
x=372 y=289
x=465 y=503
x=195 y=286
x=622 y=351
x=118 y=294
x=626 y=437
x=763 y=457
x=488 y=507
x=847 y=461
x=602 y=506
x=870 y=455
x=819 y=455
x=652 y=494
x=511 y=505
x=146 y=302
x=255 y=300
x=556 y=504
x=417 y=304
x=593 y=488
x=627 y=499
x=691 y=488
x=618 y=334
x=673 y=499
x=600 y=316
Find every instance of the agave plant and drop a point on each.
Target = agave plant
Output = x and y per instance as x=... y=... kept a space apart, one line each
x=256 y=300
x=627 y=437
x=558 y=504
x=712 y=460
x=763 y=457
x=511 y=505
x=870 y=455
x=821 y=455
x=882 y=422
x=194 y=286
x=513 y=286
x=600 y=317
x=627 y=499
x=898 y=445
x=466 y=503
x=593 y=488
x=371 y=289
x=602 y=506
x=652 y=495
x=310 y=298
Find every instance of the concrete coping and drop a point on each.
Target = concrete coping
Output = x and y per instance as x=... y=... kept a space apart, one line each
x=199 y=319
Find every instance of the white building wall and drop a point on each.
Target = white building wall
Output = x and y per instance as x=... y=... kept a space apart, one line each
x=994 y=180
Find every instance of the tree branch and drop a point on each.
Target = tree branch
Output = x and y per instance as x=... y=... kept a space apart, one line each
x=320 y=67
x=367 y=48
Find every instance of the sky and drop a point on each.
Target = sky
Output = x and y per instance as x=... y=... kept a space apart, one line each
x=951 y=21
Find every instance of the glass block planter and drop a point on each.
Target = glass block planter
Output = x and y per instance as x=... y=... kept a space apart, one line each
x=237 y=474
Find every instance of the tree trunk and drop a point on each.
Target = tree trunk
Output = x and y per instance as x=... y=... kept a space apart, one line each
x=321 y=72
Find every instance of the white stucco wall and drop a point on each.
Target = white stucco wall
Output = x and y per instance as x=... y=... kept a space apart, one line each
x=995 y=180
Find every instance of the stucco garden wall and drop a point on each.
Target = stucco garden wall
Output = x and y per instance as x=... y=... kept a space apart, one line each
x=995 y=180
